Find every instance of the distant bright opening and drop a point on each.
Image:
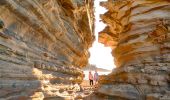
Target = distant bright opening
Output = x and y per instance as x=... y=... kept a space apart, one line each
x=99 y=54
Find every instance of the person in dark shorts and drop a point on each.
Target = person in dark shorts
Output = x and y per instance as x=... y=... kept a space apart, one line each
x=90 y=78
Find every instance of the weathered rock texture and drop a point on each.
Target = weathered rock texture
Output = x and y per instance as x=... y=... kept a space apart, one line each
x=139 y=33
x=42 y=43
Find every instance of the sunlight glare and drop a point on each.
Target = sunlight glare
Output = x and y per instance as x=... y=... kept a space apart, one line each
x=99 y=54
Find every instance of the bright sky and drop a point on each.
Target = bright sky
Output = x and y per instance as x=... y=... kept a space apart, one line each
x=99 y=54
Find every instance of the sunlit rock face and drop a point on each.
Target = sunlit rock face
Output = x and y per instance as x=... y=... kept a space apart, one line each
x=42 y=43
x=139 y=33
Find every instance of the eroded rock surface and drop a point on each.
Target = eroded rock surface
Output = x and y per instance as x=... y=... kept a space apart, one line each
x=139 y=33
x=42 y=43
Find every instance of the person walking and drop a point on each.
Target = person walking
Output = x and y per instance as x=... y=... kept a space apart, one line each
x=96 y=77
x=90 y=78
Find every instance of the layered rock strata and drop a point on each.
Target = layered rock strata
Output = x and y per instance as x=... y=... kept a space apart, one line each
x=139 y=33
x=42 y=43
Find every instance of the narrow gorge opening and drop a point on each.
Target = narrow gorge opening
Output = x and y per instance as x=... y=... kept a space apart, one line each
x=100 y=55
x=101 y=59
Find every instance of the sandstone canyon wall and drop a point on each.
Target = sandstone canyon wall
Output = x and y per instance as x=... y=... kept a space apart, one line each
x=138 y=31
x=42 y=43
